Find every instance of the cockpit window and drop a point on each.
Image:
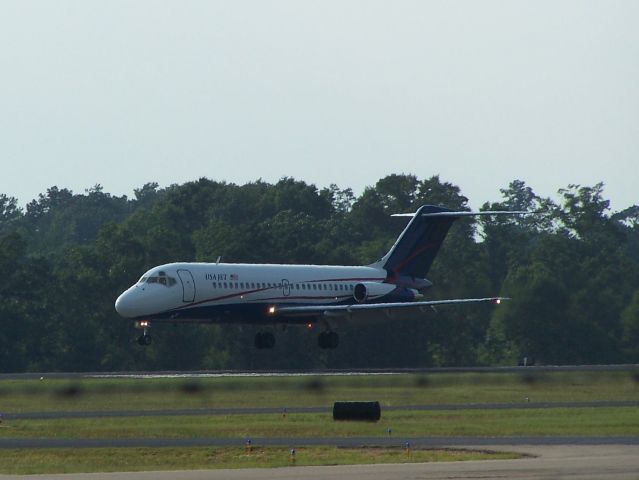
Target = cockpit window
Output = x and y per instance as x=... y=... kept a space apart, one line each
x=142 y=280
x=162 y=279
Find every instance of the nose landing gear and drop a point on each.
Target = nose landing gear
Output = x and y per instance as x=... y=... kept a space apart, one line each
x=145 y=338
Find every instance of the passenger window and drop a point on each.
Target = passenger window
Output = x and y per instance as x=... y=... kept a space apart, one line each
x=252 y=285
x=315 y=286
x=225 y=285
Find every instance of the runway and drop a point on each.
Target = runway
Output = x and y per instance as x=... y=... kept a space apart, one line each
x=334 y=372
x=590 y=462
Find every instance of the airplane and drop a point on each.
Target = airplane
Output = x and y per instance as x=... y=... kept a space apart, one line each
x=270 y=294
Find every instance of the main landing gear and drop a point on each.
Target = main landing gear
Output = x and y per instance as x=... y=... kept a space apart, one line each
x=264 y=340
x=145 y=338
x=328 y=339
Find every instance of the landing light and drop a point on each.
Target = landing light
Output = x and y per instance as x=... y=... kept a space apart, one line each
x=309 y=325
x=498 y=301
x=271 y=310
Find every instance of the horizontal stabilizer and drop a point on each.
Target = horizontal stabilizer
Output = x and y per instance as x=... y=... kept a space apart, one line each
x=416 y=248
x=464 y=214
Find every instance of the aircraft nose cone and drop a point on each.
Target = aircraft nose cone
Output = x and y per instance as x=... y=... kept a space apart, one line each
x=124 y=305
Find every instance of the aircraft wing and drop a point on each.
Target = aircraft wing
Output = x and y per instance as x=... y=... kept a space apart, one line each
x=337 y=310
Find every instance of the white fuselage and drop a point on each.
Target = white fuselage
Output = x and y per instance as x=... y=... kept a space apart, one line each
x=209 y=290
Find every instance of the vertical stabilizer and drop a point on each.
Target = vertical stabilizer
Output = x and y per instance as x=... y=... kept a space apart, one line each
x=416 y=247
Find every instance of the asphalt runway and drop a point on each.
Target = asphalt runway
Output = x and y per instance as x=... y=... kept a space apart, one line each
x=287 y=373
x=584 y=462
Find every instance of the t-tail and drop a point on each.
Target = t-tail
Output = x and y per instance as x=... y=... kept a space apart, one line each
x=417 y=246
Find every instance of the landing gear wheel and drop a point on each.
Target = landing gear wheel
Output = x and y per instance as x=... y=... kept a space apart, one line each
x=328 y=340
x=144 y=340
x=264 y=340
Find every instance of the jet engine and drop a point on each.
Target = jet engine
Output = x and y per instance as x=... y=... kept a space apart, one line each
x=370 y=290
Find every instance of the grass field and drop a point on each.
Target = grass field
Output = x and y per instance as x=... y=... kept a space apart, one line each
x=405 y=389
x=149 y=394
x=561 y=421
x=141 y=459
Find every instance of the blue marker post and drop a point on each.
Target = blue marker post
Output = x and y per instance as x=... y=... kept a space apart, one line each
x=249 y=446
x=293 y=455
x=407 y=446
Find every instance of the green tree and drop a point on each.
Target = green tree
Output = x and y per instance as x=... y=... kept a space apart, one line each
x=630 y=323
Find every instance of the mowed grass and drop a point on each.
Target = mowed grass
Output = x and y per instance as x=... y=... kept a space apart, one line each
x=620 y=421
x=406 y=389
x=288 y=392
x=50 y=461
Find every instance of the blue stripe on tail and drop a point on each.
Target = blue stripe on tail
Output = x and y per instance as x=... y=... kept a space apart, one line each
x=418 y=245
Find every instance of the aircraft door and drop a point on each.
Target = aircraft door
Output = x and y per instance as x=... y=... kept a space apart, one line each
x=188 y=285
x=286 y=287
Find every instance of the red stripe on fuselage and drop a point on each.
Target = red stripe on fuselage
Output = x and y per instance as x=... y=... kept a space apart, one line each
x=247 y=292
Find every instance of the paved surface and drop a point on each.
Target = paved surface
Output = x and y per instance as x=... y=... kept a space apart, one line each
x=266 y=373
x=615 y=462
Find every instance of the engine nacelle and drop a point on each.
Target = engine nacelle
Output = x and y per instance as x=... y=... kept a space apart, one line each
x=371 y=290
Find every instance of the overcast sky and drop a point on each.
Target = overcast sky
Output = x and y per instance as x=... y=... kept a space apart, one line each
x=122 y=93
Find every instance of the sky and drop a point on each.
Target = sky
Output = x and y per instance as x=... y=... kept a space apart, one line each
x=124 y=92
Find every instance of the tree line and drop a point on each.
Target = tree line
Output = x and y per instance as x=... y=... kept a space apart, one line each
x=572 y=272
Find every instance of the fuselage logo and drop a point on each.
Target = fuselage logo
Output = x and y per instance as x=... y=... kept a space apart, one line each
x=221 y=276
